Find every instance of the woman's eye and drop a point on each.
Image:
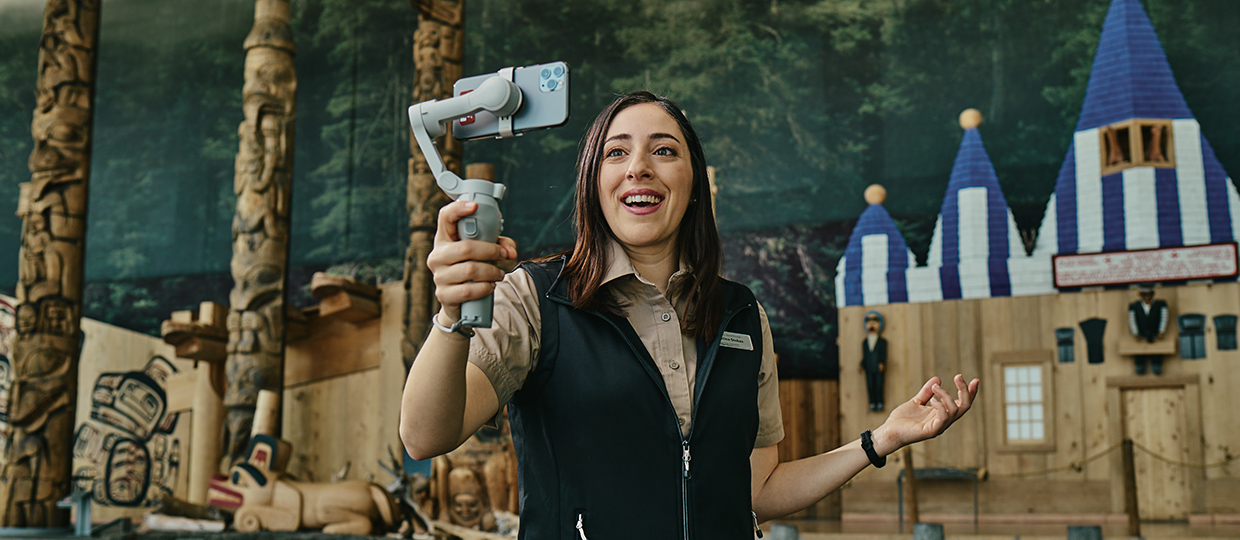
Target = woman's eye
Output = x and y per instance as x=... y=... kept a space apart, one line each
x=665 y=151
x=614 y=152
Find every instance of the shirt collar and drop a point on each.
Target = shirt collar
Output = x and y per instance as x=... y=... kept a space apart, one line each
x=619 y=265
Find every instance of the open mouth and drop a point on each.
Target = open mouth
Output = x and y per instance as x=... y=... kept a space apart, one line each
x=642 y=201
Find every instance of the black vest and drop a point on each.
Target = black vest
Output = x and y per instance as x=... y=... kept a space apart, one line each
x=598 y=443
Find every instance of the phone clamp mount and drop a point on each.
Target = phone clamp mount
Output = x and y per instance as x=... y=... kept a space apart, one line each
x=500 y=96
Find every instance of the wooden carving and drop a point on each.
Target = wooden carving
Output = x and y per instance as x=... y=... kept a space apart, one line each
x=274 y=503
x=438 y=49
x=36 y=464
x=471 y=485
x=264 y=169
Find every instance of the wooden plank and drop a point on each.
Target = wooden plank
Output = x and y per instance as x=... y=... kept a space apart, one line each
x=1154 y=418
x=826 y=415
x=205 y=349
x=1113 y=307
x=348 y=306
x=331 y=423
x=333 y=348
x=213 y=314
x=180 y=391
x=853 y=410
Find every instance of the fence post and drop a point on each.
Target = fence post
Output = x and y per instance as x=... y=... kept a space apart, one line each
x=913 y=516
x=1130 y=490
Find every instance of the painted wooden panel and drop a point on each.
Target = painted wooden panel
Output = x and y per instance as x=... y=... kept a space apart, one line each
x=127 y=440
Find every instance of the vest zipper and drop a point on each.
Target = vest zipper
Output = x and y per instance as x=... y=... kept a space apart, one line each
x=581 y=526
x=756 y=529
x=685 y=456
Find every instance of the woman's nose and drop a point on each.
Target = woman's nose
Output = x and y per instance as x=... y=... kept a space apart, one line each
x=639 y=167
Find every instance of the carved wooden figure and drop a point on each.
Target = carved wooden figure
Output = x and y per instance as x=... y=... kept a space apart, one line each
x=274 y=503
x=35 y=468
x=262 y=180
x=438 y=49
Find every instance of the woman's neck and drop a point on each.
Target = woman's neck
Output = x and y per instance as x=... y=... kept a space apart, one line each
x=655 y=263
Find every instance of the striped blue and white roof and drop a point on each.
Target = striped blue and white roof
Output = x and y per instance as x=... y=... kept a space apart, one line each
x=1139 y=207
x=1187 y=200
x=872 y=270
x=975 y=234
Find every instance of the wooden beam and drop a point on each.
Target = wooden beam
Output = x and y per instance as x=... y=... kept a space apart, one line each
x=348 y=306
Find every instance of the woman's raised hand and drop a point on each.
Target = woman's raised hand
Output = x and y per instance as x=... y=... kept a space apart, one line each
x=926 y=416
x=464 y=270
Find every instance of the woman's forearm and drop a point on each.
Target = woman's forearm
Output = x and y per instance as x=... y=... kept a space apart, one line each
x=440 y=406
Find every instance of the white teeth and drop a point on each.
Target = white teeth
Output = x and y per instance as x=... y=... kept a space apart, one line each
x=634 y=199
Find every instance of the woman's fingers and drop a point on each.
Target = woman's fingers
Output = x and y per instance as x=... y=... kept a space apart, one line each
x=448 y=216
x=458 y=294
x=949 y=404
x=927 y=391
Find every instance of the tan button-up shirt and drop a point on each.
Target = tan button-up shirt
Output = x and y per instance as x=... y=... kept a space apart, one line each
x=508 y=350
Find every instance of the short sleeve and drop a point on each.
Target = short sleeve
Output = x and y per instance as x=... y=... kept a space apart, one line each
x=770 y=418
x=507 y=351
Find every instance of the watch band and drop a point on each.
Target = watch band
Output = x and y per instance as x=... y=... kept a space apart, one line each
x=456 y=327
x=867 y=444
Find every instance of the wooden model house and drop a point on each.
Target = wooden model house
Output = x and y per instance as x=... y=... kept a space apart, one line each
x=1140 y=199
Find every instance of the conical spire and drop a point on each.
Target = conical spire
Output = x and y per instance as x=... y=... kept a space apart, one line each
x=1138 y=174
x=872 y=270
x=975 y=234
x=1130 y=77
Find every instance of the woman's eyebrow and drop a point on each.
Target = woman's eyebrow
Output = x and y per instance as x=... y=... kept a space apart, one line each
x=653 y=136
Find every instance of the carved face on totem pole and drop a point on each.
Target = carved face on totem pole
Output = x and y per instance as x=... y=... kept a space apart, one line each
x=59 y=145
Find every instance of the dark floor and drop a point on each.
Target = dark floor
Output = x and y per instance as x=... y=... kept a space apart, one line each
x=836 y=530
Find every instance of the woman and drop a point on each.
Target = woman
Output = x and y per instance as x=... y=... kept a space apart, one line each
x=641 y=385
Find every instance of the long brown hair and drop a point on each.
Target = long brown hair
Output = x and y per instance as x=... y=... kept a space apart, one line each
x=697 y=239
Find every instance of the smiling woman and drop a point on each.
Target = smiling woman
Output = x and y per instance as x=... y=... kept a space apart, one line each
x=638 y=381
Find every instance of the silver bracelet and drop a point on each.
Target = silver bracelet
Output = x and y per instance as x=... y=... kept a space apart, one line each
x=456 y=327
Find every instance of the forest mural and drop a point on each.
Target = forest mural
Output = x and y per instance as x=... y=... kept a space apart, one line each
x=800 y=105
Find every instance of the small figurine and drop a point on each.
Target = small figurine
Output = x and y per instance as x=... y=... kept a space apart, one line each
x=874 y=359
x=1147 y=319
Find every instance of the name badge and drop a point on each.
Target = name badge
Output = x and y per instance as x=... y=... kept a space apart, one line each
x=732 y=340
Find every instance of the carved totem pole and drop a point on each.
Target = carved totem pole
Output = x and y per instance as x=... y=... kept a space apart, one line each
x=264 y=172
x=35 y=470
x=438 y=49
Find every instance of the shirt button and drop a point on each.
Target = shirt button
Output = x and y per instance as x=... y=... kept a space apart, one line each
x=675 y=365
x=667 y=317
x=680 y=421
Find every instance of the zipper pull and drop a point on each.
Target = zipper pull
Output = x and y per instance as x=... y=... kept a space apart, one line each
x=756 y=529
x=581 y=527
x=685 y=458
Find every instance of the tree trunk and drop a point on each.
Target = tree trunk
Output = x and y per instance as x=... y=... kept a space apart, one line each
x=37 y=456
x=438 y=50
x=262 y=182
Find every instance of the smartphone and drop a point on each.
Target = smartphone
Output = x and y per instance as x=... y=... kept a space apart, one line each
x=544 y=102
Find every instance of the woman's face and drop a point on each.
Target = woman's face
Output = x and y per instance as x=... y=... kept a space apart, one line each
x=645 y=177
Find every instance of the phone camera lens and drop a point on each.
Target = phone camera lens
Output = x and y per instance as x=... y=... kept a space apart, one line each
x=546 y=73
x=559 y=71
x=552 y=84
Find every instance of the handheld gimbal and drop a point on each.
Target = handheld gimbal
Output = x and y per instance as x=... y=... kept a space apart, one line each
x=429 y=119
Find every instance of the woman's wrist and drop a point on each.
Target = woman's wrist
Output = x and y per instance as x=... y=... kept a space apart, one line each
x=884 y=443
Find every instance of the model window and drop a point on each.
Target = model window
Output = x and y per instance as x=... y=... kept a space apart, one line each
x=1023 y=410
x=1225 y=327
x=1192 y=336
x=1136 y=143
x=1065 y=340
